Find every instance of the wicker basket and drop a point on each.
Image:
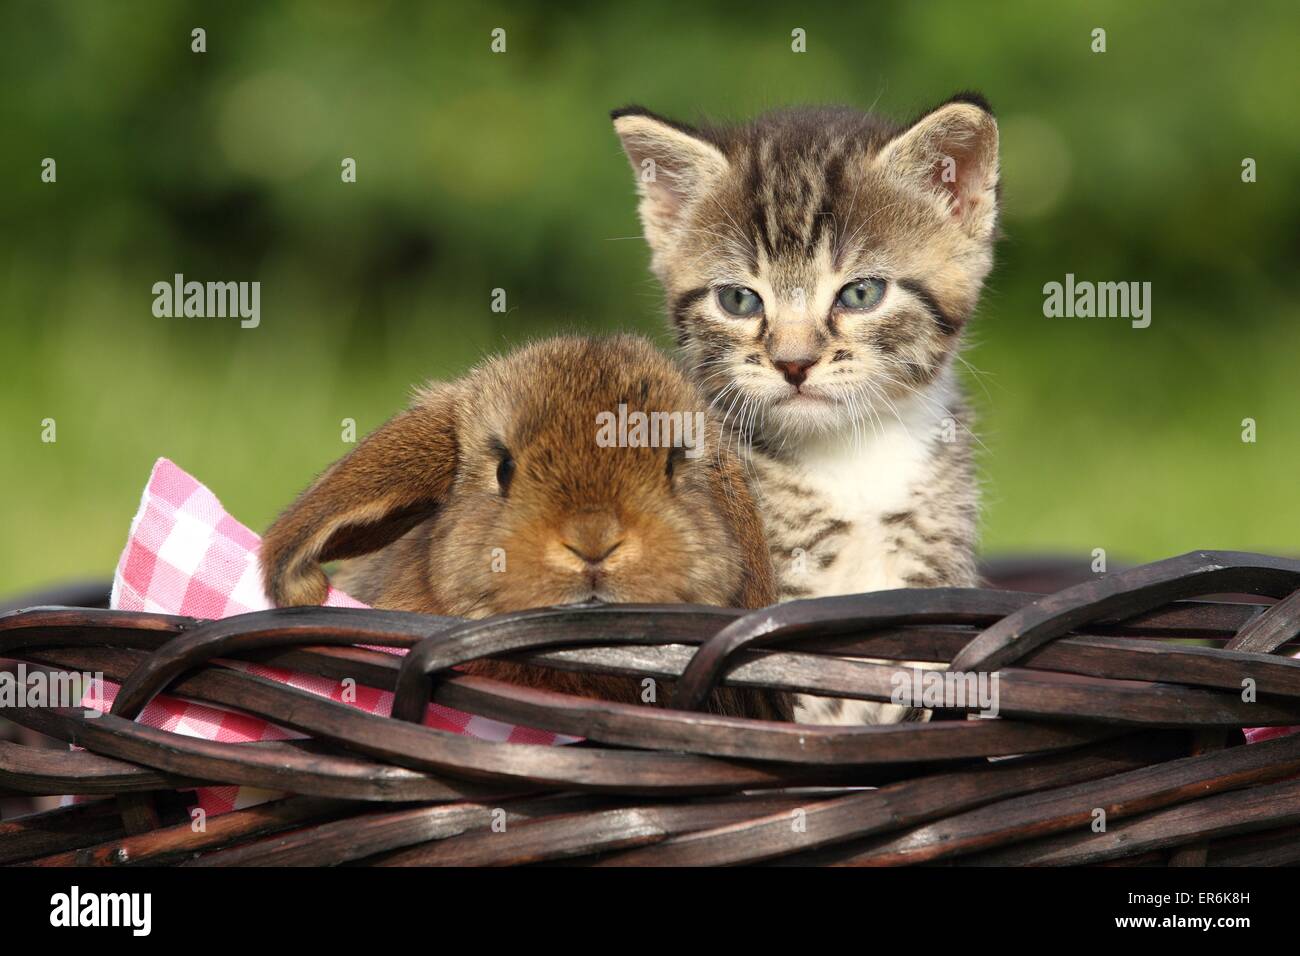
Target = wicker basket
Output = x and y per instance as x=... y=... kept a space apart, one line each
x=1121 y=703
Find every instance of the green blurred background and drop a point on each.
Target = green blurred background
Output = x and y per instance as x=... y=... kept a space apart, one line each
x=478 y=171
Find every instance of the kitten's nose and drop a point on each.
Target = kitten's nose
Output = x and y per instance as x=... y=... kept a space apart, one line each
x=796 y=370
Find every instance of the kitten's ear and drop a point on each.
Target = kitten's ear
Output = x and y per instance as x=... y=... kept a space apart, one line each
x=392 y=481
x=952 y=153
x=673 y=164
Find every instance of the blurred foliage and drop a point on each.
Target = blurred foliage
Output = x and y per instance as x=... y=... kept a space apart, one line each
x=478 y=171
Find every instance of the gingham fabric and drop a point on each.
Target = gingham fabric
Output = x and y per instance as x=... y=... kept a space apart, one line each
x=185 y=555
x=1255 y=735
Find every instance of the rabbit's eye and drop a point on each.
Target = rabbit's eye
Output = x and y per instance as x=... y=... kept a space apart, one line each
x=676 y=454
x=505 y=472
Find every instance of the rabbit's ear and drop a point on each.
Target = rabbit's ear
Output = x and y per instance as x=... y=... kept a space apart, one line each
x=392 y=481
x=758 y=585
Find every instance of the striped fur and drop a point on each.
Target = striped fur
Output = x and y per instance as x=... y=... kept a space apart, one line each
x=863 y=469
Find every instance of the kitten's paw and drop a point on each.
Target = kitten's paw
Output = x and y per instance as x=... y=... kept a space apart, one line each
x=809 y=709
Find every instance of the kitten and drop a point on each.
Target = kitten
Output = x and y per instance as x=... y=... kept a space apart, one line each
x=820 y=266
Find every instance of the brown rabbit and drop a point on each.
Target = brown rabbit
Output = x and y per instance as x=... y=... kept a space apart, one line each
x=493 y=493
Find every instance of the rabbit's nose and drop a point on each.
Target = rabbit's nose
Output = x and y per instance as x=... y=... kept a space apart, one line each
x=588 y=556
x=593 y=537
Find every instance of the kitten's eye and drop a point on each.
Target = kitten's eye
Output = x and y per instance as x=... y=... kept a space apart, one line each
x=740 y=301
x=505 y=472
x=861 y=294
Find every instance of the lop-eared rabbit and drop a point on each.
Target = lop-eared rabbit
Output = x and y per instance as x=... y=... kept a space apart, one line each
x=502 y=491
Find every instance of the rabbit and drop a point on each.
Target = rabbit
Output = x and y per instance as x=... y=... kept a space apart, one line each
x=493 y=493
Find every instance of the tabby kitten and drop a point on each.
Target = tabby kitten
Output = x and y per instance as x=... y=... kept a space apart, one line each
x=820 y=266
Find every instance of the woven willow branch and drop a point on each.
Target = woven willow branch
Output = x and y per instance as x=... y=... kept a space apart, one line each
x=1099 y=696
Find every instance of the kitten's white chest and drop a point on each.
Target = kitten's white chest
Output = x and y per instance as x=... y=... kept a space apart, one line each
x=861 y=486
x=857 y=480
x=887 y=507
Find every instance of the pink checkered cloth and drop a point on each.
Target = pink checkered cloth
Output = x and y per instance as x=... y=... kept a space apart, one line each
x=186 y=555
